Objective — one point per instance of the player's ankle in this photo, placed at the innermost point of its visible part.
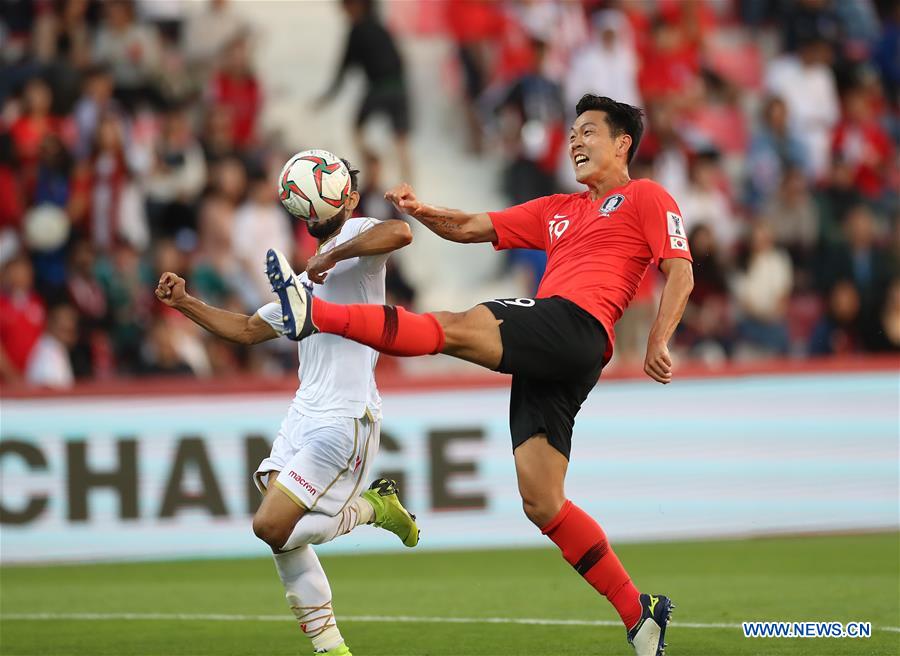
(366, 510)
(327, 640)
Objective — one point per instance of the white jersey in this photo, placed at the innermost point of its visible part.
(337, 375)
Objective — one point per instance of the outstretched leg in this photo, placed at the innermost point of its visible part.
(473, 335)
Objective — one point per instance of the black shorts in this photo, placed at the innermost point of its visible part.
(391, 102)
(555, 351)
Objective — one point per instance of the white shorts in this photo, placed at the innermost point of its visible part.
(323, 461)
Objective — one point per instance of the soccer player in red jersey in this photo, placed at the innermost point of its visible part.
(599, 244)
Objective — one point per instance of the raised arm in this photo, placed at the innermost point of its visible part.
(234, 327)
(453, 225)
(383, 237)
(349, 57)
(679, 283)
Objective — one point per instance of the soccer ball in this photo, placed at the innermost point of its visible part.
(314, 184)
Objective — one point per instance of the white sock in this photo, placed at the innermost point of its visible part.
(316, 528)
(309, 596)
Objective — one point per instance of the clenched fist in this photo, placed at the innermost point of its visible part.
(318, 266)
(170, 289)
(402, 196)
(658, 362)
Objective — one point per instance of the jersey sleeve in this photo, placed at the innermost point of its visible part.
(521, 226)
(663, 225)
(271, 314)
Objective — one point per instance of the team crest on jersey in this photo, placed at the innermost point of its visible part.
(611, 204)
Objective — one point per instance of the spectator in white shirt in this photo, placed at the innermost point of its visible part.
(607, 65)
(806, 83)
(260, 223)
(208, 32)
(705, 203)
(130, 49)
(762, 292)
(49, 363)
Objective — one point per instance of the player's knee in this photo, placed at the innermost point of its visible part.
(270, 531)
(540, 509)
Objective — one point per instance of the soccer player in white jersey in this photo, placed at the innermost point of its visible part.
(327, 442)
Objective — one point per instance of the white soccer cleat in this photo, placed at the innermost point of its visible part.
(295, 298)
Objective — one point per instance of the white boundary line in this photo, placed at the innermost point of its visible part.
(411, 619)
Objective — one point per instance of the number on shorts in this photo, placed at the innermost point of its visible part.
(521, 302)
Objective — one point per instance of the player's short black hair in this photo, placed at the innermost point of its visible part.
(354, 175)
(620, 117)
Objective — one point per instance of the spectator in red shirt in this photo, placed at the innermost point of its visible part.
(473, 24)
(236, 89)
(669, 64)
(11, 202)
(860, 141)
(28, 131)
(104, 200)
(22, 316)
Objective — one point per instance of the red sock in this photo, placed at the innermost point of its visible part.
(584, 546)
(385, 328)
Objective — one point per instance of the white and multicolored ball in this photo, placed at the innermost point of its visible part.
(314, 184)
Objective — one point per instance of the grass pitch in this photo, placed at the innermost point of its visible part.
(236, 607)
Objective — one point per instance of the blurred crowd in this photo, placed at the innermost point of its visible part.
(131, 144)
(774, 124)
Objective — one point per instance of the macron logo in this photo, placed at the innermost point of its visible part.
(306, 484)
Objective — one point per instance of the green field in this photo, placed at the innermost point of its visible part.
(840, 578)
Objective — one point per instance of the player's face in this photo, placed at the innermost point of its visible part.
(322, 229)
(593, 150)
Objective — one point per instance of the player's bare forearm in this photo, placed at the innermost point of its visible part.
(452, 225)
(679, 283)
(229, 325)
(232, 326)
(458, 226)
(383, 237)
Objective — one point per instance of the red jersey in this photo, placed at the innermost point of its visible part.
(869, 150)
(242, 96)
(597, 251)
(21, 324)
